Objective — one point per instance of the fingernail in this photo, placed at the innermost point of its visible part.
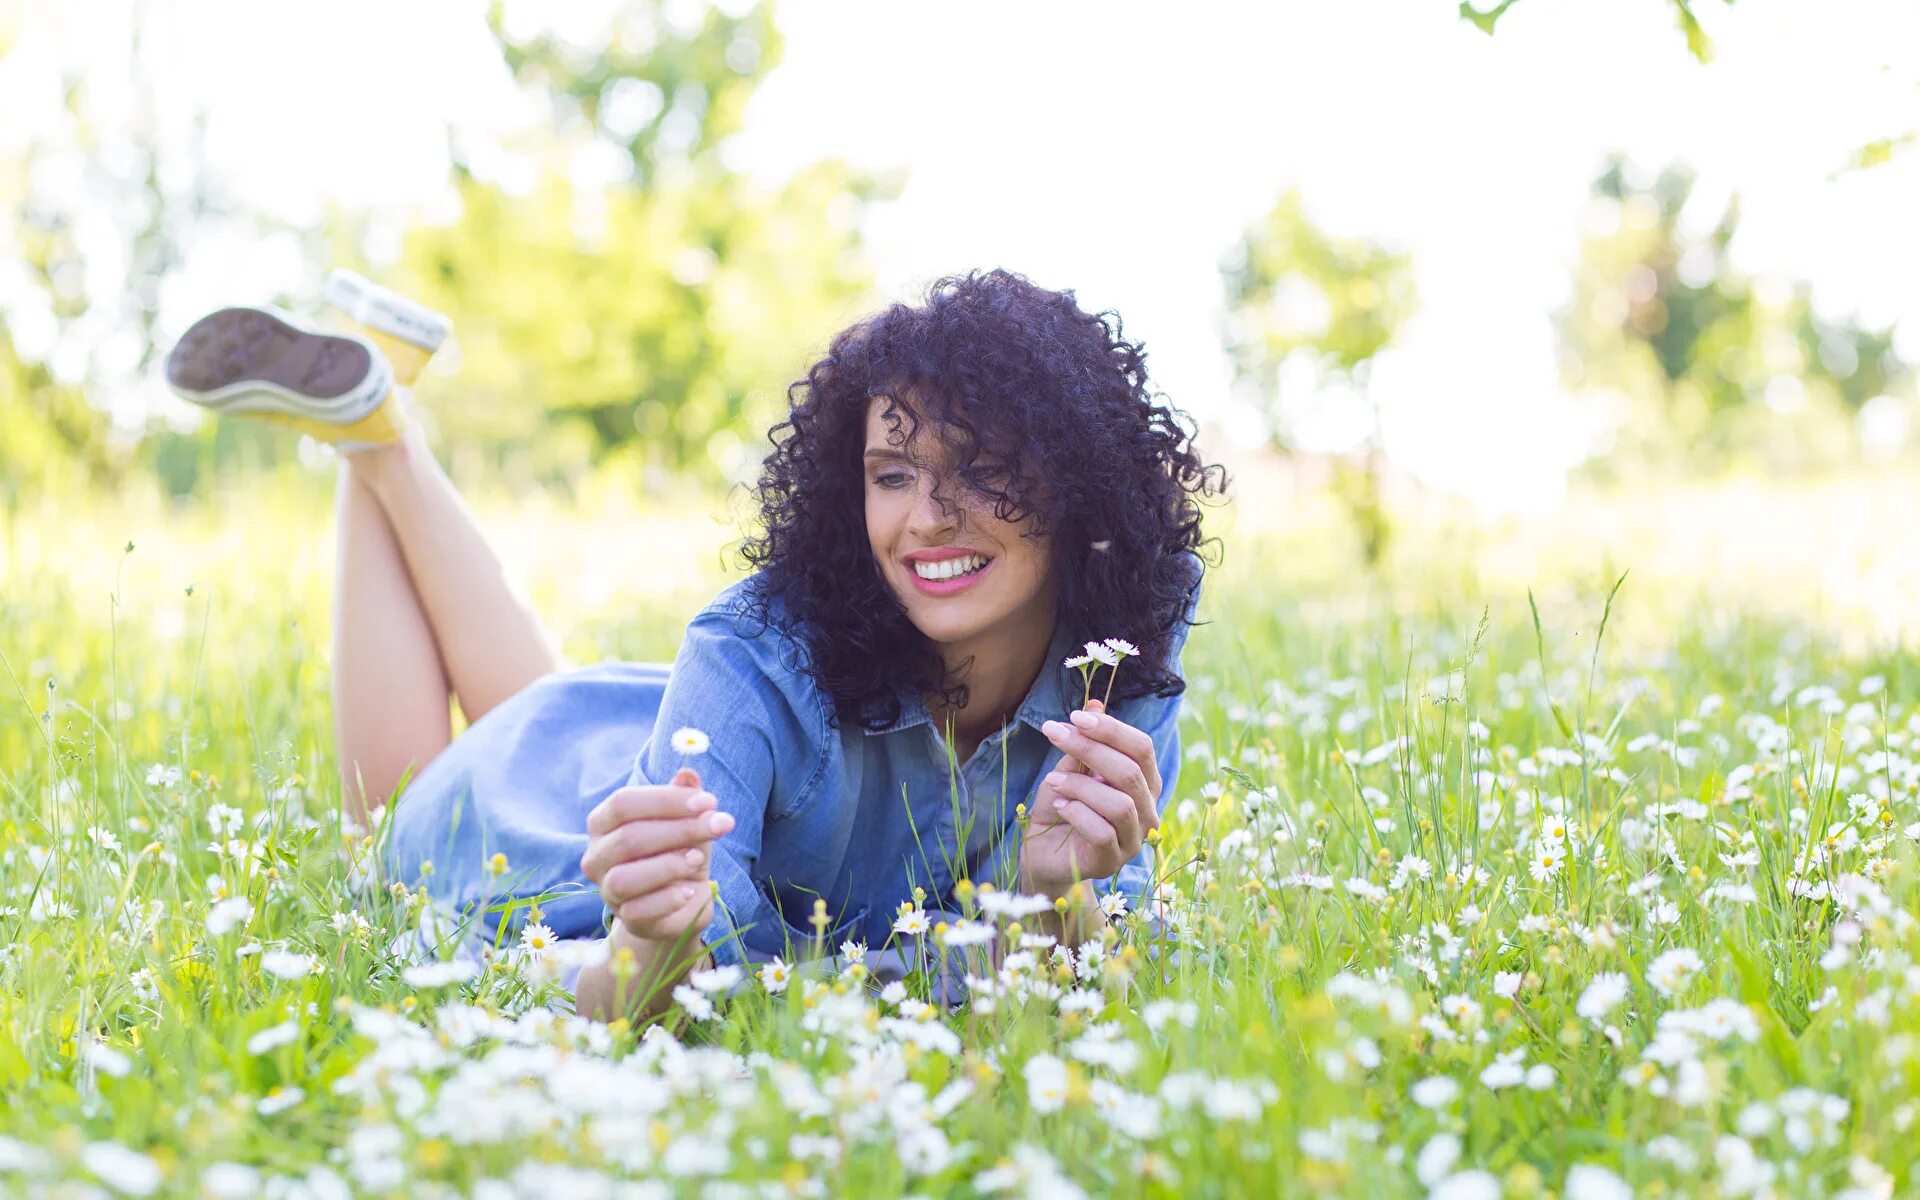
(1083, 718)
(700, 802)
(686, 891)
(695, 857)
(1054, 729)
(719, 822)
(1056, 777)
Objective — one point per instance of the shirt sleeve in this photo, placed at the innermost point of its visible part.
(1159, 718)
(767, 735)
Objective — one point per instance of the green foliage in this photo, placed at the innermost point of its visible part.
(643, 300)
(1293, 288)
(660, 315)
(53, 439)
(1354, 914)
(1710, 364)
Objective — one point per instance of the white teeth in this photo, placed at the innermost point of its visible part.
(947, 568)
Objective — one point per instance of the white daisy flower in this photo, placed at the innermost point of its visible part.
(426, 976)
(913, 922)
(226, 915)
(285, 964)
(537, 939)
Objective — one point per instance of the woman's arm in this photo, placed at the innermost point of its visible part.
(765, 735)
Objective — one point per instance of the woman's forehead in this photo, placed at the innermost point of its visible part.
(901, 420)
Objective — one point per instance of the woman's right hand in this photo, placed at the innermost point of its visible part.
(649, 850)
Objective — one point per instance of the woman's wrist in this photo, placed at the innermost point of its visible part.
(1076, 916)
(637, 980)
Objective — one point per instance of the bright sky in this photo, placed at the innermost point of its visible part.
(1117, 148)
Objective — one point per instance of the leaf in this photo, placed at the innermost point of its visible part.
(1484, 19)
(1698, 44)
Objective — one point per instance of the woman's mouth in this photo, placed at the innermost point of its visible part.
(945, 576)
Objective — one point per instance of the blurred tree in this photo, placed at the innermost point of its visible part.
(1705, 364)
(102, 202)
(648, 296)
(1296, 292)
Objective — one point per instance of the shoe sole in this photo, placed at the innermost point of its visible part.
(263, 360)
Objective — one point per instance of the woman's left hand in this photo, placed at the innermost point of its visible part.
(1096, 807)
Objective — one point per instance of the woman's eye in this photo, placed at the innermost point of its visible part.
(891, 479)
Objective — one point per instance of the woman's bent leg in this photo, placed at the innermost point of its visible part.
(389, 689)
(491, 642)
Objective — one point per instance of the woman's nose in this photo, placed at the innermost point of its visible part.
(934, 509)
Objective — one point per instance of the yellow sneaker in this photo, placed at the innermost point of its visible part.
(406, 331)
(336, 387)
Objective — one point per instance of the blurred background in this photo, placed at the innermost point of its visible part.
(1404, 261)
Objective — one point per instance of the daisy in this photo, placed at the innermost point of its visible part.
(537, 939)
(124, 1170)
(285, 1033)
(775, 976)
(280, 1099)
(1046, 1083)
(688, 740)
(696, 1005)
(1122, 647)
(1602, 995)
(1435, 1091)
(439, 974)
(285, 964)
(1671, 971)
(226, 915)
(912, 922)
(1103, 653)
(719, 979)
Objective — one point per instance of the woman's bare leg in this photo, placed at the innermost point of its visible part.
(491, 642)
(389, 688)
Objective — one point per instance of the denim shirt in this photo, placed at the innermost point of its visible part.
(857, 817)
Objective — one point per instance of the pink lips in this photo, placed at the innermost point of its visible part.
(944, 587)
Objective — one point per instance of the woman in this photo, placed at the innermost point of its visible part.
(962, 495)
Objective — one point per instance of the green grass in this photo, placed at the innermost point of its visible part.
(1339, 729)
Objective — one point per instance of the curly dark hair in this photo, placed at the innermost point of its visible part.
(1026, 387)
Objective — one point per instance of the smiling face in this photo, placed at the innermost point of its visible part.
(963, 574)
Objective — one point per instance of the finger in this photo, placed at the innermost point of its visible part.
(1145, 759)
(646, 803)
(692, 915)
(639, 876)
(1096, 831)
(1108, 762)
(1101, 726)
(1116, 807)
(655, 907)
(639, 839)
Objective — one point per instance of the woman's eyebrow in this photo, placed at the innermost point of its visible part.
(888, 453)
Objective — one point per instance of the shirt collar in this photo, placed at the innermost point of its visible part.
(1046, 699)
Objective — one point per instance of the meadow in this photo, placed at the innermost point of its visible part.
(1567, 856)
